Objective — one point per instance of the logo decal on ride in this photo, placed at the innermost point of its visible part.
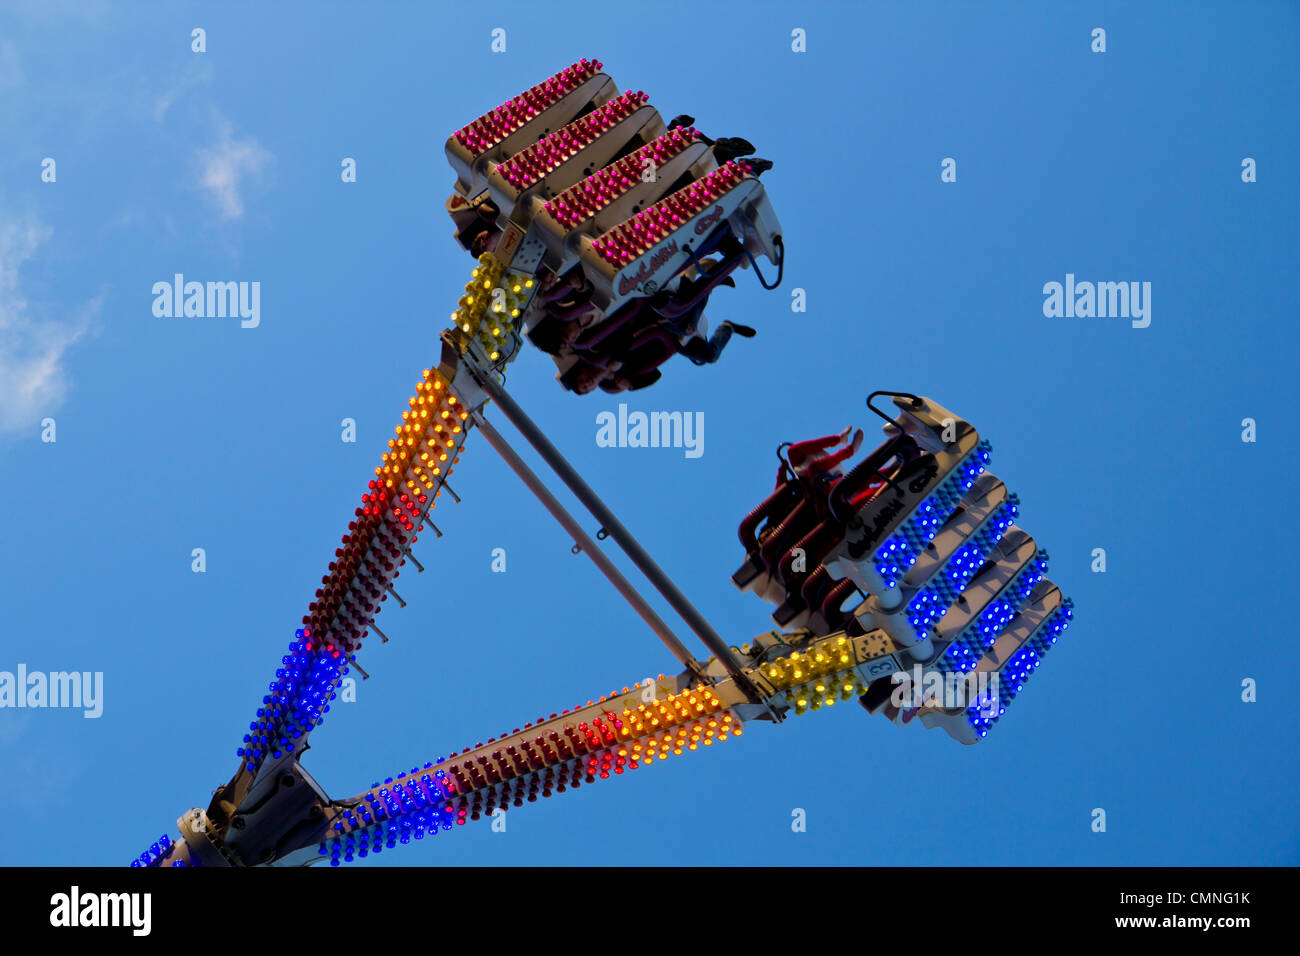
(708, 221)
(649, 267)
(923, 474)
(928, 470)
(508, 243)
(871, 534)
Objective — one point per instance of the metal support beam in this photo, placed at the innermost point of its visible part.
(584, 542)
(622, 537)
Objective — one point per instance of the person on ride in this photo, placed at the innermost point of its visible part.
(817, 464)
(686, 334)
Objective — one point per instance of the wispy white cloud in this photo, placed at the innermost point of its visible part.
(163, 102)
(195, 76)
(226, 167)
(33, 379)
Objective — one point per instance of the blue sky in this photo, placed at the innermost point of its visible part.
(174, 434)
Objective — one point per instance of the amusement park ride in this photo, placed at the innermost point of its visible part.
(899, 579)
